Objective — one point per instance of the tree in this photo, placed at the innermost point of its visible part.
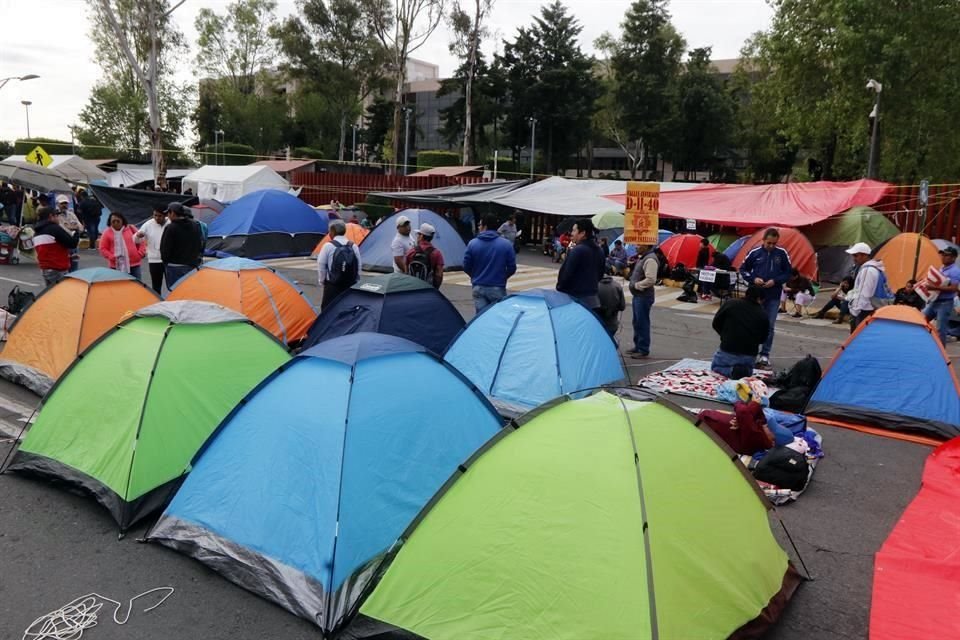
(645, 63)
(332, 48)
(377, 132)
(468, 30)
(549, 78)
(402, 27)
(487, 97)
(236, 46)
(704, 115)
(132, 37)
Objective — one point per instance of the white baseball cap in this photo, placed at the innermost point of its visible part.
(63, 198)
(860, 247)
(402, 220)
(427, 230)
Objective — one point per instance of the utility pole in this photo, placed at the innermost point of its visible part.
(924, 198)
(533, 142)
(26, 107)
(406, 140)
(354, 127)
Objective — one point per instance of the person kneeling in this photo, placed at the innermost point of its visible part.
(743, 326)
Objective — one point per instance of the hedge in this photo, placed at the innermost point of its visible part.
(230, 153)
(438, 158)
(308, 152)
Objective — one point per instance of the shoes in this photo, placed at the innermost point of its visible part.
(637, 355)
(763, 362)
(795, 315)
(819, 317)
(837, 321)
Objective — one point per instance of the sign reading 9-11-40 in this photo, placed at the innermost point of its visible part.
(642, 213)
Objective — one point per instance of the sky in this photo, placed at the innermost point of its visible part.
(64, 57)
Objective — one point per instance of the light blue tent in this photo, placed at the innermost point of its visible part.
(534, 346)
(662, 234)
(375, 250)
(307, 484)
(735, 246)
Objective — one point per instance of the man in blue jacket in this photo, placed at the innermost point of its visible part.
(583, 267)
(768, 267)
(489, 261)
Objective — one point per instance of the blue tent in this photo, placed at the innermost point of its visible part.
(662, 234)
(266, 224)
(891, 373)
(304, 488)
(394, 304)
(735, 246)
(375, 248)
(534, 346)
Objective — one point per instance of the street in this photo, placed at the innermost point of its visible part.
(55, 546)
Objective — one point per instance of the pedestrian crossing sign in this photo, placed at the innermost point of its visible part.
(39, 156)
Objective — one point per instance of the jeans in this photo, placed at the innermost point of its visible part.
(175, 272)
(156, 276)
(484, 296)
(52, 276)
(642, 304)
(724, 363)
(771, 307)
(833, 303)
(859, 318)
(940, 309)
(93, 231)
(136, 272)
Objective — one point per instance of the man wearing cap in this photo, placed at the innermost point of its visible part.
(53, 244)
(181, 245)
(425, 261)
(70, 224)
(336, 280)
(863, 303)
(152, 232)
(401, 245)
(941, 306)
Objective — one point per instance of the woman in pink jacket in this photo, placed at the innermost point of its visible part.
(120, 247)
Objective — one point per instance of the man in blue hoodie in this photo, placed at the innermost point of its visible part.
(489, 261)
(768, 267)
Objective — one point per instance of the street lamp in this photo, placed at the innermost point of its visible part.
(26, 107)
(216, 145)
(872, 168)
(354, 127)
(406, 140)
(29, 76)
(533, 142)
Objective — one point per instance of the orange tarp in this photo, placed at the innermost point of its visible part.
(898, 255)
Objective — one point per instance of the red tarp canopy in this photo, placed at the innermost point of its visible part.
(794, 204)
(916, 577)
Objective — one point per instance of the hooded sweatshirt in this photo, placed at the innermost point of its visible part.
(489, 260)
(865, 286)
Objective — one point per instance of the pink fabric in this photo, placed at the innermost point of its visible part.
(794, 204)
(105, 246)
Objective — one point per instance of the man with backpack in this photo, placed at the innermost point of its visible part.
(642, 282)
(338, 263)
(425, 261)
(870, 286)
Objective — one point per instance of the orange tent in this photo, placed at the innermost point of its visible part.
(801, 252)
(256, 291)
(355, 234)
(66, 319)
(899, 253)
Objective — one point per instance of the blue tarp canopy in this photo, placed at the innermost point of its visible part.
(375, 248)
(534, 346)
(299, 500)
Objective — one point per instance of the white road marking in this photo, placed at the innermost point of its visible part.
(23, 282)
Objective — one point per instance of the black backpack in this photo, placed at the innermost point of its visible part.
(679, 273)
(420, 266)
(796, 385)
(344, 268)
(18, 300)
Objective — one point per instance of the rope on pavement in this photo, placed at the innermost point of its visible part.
(71, 620)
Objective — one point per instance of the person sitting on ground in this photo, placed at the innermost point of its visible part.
(798, 290)
(838, 301)
(424, 261)
(121, 245)
(617, 260)
(743, 326)
(53, 244)
(907, 295)
(612, 303)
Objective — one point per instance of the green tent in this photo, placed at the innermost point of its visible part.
(608, 220)
(859, 224)
(722, 240)
(125, 420)
(603, 517)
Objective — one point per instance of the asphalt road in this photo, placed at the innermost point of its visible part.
(55, 546)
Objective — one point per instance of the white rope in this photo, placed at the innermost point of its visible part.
(71, 620)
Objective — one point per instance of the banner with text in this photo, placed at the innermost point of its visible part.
(642, 213)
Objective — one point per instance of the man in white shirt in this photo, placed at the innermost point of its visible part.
(402, 244)
(865, 285)
(336, 271)
(152, 232)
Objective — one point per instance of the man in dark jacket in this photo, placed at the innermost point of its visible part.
(53, 244)
(181, 246)
(743, 326)
(768, 267)
(583, 268)
(89, 213)
(489, 261)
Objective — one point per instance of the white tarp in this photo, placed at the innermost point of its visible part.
(73, 168)
(128, 175)
(227, 183)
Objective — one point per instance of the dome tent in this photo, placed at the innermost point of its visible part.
(394, 304)
(343, 482)
(511, 351)
(900, 252)
(835, 235)
(662, 235)
(570, 555)
(802, 256)
(66, 319)
(355, 234)
(375, 250)
(683, 249)
(266, 224)
(185, 365)
(253, 289)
